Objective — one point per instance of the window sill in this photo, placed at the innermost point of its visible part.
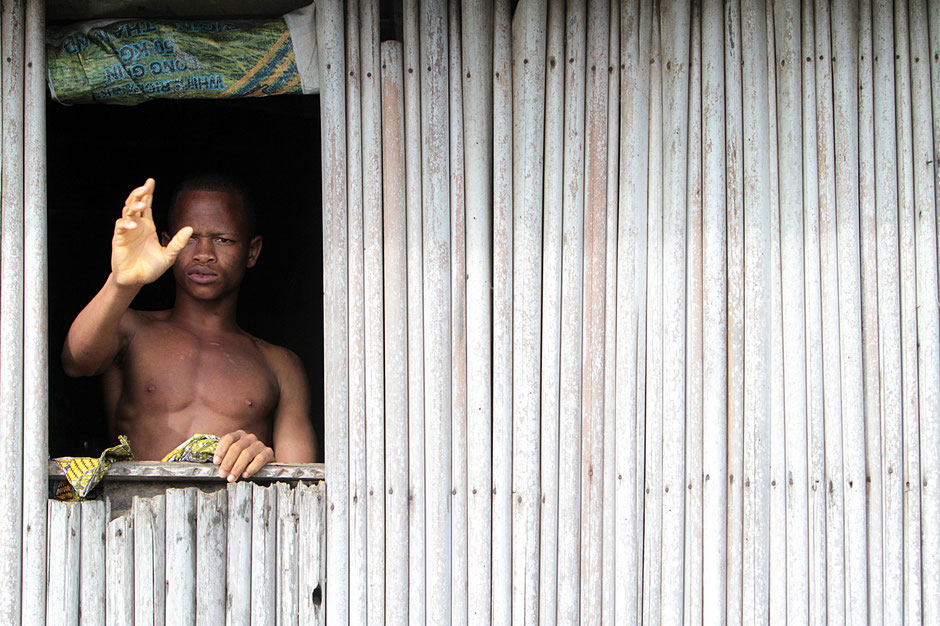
(158, 471)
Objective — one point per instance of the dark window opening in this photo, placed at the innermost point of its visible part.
(98, 153)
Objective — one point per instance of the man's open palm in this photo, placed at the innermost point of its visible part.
(137, 258)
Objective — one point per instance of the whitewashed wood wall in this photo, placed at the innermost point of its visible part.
(631, 312)
(248, 554)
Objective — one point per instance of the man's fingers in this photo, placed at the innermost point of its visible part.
(179, 241)
(221, 449)
(123, 225)
(263, 458)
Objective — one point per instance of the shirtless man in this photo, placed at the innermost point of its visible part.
(191, 369)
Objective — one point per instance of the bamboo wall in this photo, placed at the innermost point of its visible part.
(631, 312)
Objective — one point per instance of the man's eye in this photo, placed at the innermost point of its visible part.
(223, 240)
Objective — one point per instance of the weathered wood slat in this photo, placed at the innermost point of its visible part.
(149, 559)
(151, 470)
(12, 277)
(35, 315)
(675, 115)
(790, 193)
(528, 87)
(871, 386)
(913, 575)
(502, 312)
(311, 552)
(120, 571)
(180, 556)
(458, 343)
(211, 557)
(64, 561)
(332, 71)
(693, 582)
(734, 203)
(263, 555)
(550, 366)
(631, 295)
(373, 288)
(415, 239)
(358, 477)
(92, 568)
(652, 337)
(889, 310)
(569, 403)
(239, 552)
(396, 334)
(928, 322)
(437, 307)
(477, 103)
(715, 321)
(288, 552)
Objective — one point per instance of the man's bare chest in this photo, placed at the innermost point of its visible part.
(226, 373)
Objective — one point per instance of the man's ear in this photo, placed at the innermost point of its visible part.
(254, 249)
(164, 238)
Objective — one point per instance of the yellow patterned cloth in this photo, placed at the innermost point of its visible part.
(196, 449)
(83, 473)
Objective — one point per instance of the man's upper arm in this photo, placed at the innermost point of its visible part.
(294, 438)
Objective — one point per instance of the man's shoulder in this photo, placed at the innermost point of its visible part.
(278, 356)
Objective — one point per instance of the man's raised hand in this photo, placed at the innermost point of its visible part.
(137, 258)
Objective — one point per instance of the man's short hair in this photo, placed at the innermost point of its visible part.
(223, 183)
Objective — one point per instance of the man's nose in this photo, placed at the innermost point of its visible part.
(204, 250)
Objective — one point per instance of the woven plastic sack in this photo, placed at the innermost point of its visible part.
(132, 61)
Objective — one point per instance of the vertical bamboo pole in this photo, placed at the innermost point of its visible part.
(396, 333)
(374, 494)
(790, 193)
(286, 572)
(777, 475)
(829, 283)
(889, 309)
(311, 553)
(928, 323)
(653, 414)
(120, 572)
(35, 314)
(694, 348)
(634, 117)
(502, 312)
(145, 575)
(757, 315)
(845, 118)
(569, 428)
(92, 589)
(181, 557)
(715, 321)
(238, 558)
(608, 544)
(335, 348)
(913, 597)
(458, 297)
(416, 492)
(358, 477)
(675, 99)
(11, 311)
(871, 387)
(263, 555)
(550, 372)
(734, 167)
(477, 53)
(211, 515)
(373, 289)
(437, 308)
(528, 89)
(813, 306)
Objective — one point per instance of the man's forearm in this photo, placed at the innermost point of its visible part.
(94, 337)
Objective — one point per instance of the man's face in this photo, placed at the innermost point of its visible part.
(213, 263)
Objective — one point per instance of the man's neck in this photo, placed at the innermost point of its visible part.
(210, 315)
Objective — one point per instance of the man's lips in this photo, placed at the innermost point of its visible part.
(201, 275)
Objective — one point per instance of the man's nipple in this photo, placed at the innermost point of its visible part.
(151, 388)
(250, 402)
